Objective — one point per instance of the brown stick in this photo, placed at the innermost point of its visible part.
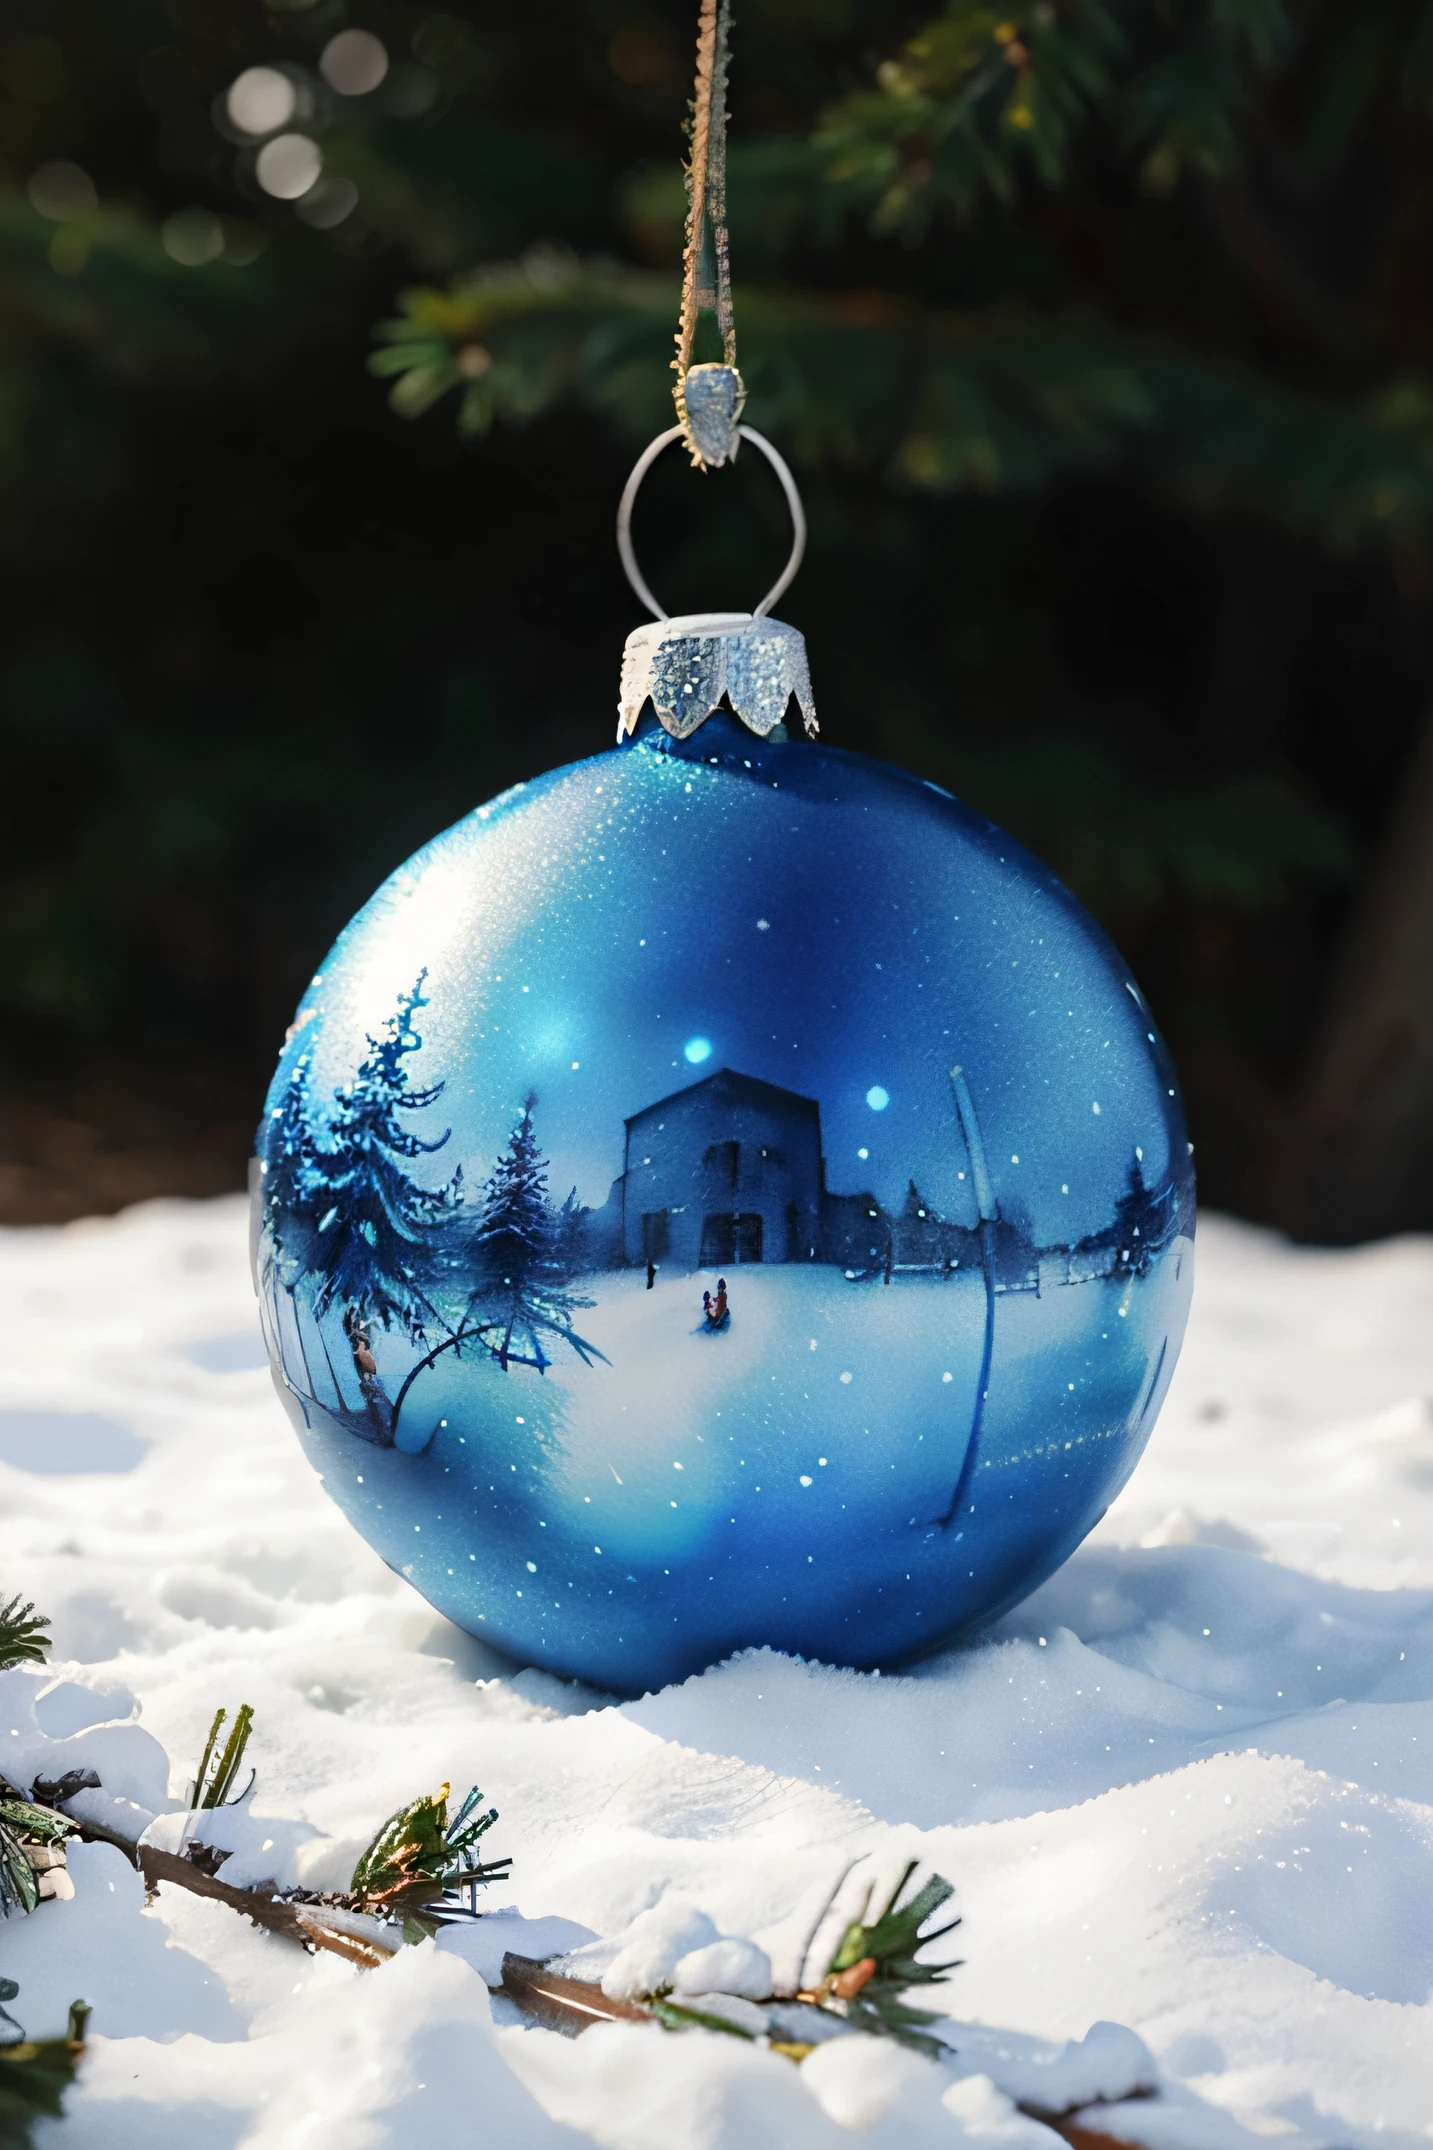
(569, 2005)
(1077, 2135)
(573, 2005)
(270, 1912)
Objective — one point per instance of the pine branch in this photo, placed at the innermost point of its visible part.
(975, 96)
(32, 1852)
(1000, 401)
(24, 1636)
(970, 98)
(404, 1886)
(35, 2073)
(420, 1856)
(871, 1968)
(122, 293)
(875, 1964)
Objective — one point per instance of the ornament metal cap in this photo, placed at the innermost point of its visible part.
(685, 665)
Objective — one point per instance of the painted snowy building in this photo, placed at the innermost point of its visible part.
(729, 1170)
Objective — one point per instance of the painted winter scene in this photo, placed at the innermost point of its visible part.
(727, 1346)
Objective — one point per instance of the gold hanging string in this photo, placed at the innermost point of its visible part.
(709, 398)
(708, 248)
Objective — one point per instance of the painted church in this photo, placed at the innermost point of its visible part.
(730, 1170)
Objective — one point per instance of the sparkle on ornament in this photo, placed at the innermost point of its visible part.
(697, 1050)
(877, 1098)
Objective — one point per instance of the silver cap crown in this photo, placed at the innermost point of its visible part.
(685, 665)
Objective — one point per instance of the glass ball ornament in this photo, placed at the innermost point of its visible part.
(722, 1193)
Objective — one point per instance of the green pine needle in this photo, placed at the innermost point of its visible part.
(892, 1941)
(411, 1842)
(212, 1790)
(37, 1825)
(35, 2073)
(19, 1887)
(22, 1823)
(24, 1637)
(420, 1854)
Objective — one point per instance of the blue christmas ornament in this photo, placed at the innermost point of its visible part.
(722, 1193)
(725, 1192)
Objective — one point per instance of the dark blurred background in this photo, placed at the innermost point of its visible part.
(1102, 341)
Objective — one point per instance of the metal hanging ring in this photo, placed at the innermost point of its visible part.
(644, 463)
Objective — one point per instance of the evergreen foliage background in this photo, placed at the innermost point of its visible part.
(1099, 335)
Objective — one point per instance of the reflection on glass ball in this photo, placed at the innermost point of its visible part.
(720, 1194)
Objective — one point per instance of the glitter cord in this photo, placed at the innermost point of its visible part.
(706, 259)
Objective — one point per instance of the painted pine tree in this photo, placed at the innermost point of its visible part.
(292, 1188)
(570, 1236)
(379, 1236)
(1146, 1220)
(518, 1293)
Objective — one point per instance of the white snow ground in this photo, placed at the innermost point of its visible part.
(1187, 1788)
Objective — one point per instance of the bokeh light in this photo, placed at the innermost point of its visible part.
(327, 204)
(288, 166)
(697, 1050)
(261, 100)
(191, 237)
(60, 190)
(354, 62)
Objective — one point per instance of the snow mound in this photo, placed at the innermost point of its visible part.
(1187, 1788)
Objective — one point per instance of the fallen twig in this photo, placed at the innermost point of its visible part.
(574, 2005)
(307, 1924)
